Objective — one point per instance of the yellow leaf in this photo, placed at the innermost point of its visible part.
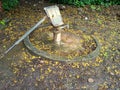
(78, 76)
(49, 70)
(33, 69)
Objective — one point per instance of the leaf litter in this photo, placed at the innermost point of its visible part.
(35, 72)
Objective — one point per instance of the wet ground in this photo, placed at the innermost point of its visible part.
(22, 70)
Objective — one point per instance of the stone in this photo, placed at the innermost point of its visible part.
(35, 5)
(86, 18)
(90, 80)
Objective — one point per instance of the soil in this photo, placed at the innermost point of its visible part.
(22, 70)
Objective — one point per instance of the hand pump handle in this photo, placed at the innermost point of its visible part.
(26, 34)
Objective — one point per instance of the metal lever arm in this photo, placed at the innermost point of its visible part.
(26, 34)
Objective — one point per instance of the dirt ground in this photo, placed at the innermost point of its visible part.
(22, 70)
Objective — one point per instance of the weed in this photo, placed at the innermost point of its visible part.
(9, 4)
(79, 3)
(2, 22)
